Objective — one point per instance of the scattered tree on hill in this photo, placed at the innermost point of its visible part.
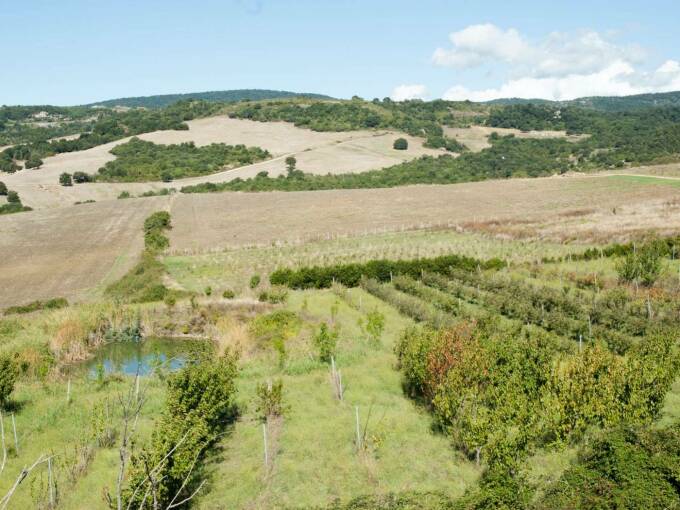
(65, 179)
(3, 188)
(290, 164)
(81, 177)
(400, 144)
(33, 162)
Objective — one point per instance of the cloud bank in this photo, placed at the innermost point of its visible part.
(406, 92)
(561, 66)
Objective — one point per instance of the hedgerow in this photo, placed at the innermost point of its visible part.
(349, 275)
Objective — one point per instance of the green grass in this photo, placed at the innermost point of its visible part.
(645, 179)
(316, 460)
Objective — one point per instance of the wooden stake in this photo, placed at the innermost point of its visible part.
(266, 450)
(68, 395)
(16, 440)
(356, 411)
(50, 481)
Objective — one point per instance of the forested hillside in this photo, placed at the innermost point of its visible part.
(217, 96)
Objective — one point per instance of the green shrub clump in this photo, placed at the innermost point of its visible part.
(400, 144)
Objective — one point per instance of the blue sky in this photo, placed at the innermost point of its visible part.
(77, 51)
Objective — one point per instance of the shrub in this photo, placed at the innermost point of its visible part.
(228, 294)
(274, 295)
(124, 195)
(375, 325)
(50, 304)
(325, 342)
(13, 197)
(254, 281)
(33, 162)
(199, 404)
(81, 177)
(400, 144)
(65, 179)
(641, 266)
(269, 400)
(3, 189)
(208, 291)
(8, 376)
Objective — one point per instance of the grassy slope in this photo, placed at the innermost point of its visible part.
(315, 460)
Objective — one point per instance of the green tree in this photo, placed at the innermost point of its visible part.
(642, 266)
(375, 325)
(290, 164)
(13, 197)
(81, 177)
(65, 179)
(8, 376)
(33, 162)
(325, 342)
(400, 144)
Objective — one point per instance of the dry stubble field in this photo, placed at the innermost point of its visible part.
(69, 251)
(351, 151)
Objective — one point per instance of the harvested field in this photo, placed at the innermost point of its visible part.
(518, 207)
(66, 251)
(476, 138)
(352, 151)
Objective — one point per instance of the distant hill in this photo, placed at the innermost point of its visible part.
(606, 103)
(160, 101)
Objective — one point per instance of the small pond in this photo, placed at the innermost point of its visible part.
(128, 357)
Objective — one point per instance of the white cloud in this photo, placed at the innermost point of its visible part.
(560, 66)
(406, 92)
(477, 44)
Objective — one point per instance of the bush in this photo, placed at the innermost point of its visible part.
(123, 195)
(13, 197)
(400, 144)
(254, 281)
(33, 162)
(269, 400)
(8, 376)
(3, 189)
(81, 177)
(65, 179)
(274, 295)
(325, 342)
(208, 291)
(228, 294)
(50, 304)
(641, 266)
(199, 404)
